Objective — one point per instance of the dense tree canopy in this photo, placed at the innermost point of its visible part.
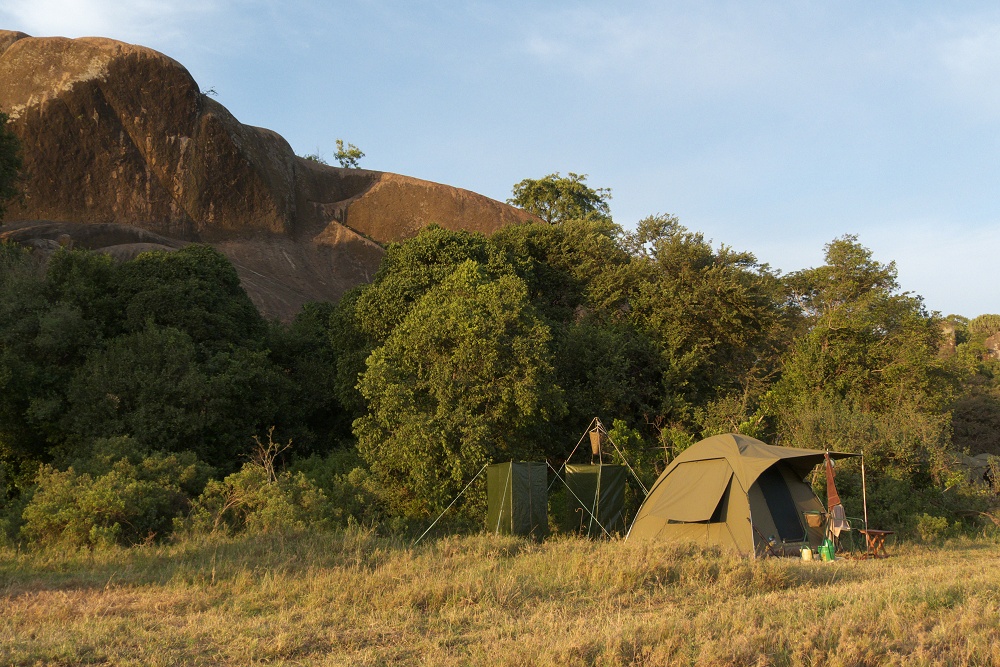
(166, 349)
(717, 317)
(465, 379)
(556, 198)
(134, 394)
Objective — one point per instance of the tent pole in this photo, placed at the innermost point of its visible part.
(752, 529)
(503, 499)
(622, 454)
(578, 442)
(582, 505)
(864, 488)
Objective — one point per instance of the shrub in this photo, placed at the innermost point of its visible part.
(932, 528)
(355, 496)
(252, 501)
(129, 504)
(259, 499)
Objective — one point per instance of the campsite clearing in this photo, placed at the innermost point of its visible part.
(354, 598)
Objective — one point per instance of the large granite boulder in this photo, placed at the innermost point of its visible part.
(121, 135)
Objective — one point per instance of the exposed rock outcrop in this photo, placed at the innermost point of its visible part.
(120, 134)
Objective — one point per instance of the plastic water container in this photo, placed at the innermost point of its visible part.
(807, 553)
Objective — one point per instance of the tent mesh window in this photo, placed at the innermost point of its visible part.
(779, 502)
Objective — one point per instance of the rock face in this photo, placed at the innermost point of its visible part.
(121, 135)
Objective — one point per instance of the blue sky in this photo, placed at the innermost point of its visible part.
(770, 127)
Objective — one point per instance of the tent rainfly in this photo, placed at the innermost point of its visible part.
(734, 491)
(517, 498)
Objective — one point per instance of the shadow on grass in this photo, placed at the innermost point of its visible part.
(198, 561)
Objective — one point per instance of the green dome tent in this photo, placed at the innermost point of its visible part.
(734, 491)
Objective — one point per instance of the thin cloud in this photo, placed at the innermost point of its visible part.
(697, 51)
(971, 61)
(141, 21)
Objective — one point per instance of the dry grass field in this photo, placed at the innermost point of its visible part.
(357, 599)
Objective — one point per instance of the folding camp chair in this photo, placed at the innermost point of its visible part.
(842, 528)
(837, 526)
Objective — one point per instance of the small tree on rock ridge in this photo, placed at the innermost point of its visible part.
(349, 157)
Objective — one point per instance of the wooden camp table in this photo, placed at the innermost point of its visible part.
(876, 542)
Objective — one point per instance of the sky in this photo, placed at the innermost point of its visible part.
(771, 127)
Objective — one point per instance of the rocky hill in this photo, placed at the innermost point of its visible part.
(120, 136)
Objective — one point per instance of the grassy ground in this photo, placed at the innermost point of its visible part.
(355, 599)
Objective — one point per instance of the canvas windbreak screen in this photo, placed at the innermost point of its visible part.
(692, 491)
(517, 497)
(596, 498)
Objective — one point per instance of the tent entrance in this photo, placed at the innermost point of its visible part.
(784, 511)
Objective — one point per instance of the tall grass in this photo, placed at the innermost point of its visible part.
(353, 598)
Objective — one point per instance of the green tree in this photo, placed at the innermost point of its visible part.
(11, 163)
(985, 325)
(50, 320)
(465, 379)
(556, 199)
(867, 373)
(303, 353)
(608, 369)
(196, 290)
(348, 156)
(408, 271)
(976, 411)
(577, 265)
(365, 317)
(146, 385)
(151, 387)
(718, 318)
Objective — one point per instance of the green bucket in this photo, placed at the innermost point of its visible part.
(826, 553)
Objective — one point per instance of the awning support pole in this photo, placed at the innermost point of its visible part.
(864, 488)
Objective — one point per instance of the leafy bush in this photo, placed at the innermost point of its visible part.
(259, 499)
(355, 496)
(932, 528)
(252, 501)
(129, 504)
